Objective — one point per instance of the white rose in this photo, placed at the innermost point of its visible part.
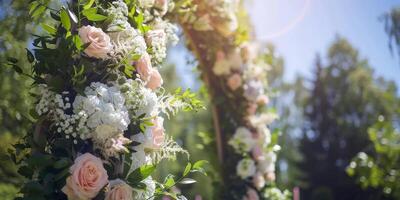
(268, 163)
(246, 168)
(242, 140)
(262, 119)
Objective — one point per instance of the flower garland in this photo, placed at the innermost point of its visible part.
(236, 75)
(100, 105)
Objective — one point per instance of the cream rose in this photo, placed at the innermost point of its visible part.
(234, 81)
(100, 43)
(119, 191)
(258, 180)
(88, 177)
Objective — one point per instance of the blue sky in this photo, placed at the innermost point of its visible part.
(301, 28)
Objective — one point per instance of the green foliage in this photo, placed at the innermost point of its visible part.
(344, 101)
(392, 28)
(166, 189)
(381, 168)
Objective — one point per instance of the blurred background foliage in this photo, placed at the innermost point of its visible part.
(15, 100)
(339, 126)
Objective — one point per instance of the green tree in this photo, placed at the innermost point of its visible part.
(382, 168)
(345, 99)
(15, 100)
(392, 28)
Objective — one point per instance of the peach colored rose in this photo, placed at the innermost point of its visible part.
(251, 195)
(270, 176)
(263, 100)
(257, 153)
(220, 55)
(251, 110)
(158, 132)
(100, 43)
(119, 191)
(143, 66)
(258, 180)
(162, 5)
(155, 81)
(88, 177)
(234, 81)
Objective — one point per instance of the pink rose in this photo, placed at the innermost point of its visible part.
(251, 195)
(155, 81)
(119, 191)
(162, 5)
(234, 81)
(263, 100)
(143, 66)
(252, 109)
(258, 180)
(100, 43)
(88, 177)
(158, 133)
(257, 153)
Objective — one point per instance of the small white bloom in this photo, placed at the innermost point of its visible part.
(268, 164)
(242, 140)
(262, 119)
(246, 168)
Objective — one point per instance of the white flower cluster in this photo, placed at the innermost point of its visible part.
(243, 69)
(259, 161)
(121, 115)
(103, 105)
(275, 193)
(54, 106)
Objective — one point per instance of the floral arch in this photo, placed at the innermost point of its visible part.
(100, 105)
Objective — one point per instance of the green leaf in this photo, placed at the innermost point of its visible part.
(199, 164)
(38, 11)
(55, 16)
(34, 5)
(51, 30)
(17, 69)
(187, 169)
(89, 11)
(65, 21)
(12, 60)
(73, 16)
(78, 42)
(187, 181)
(29, 55)
(169, 181)
(62, 163)
(141, 173)
(96, 17)
(88, 4)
